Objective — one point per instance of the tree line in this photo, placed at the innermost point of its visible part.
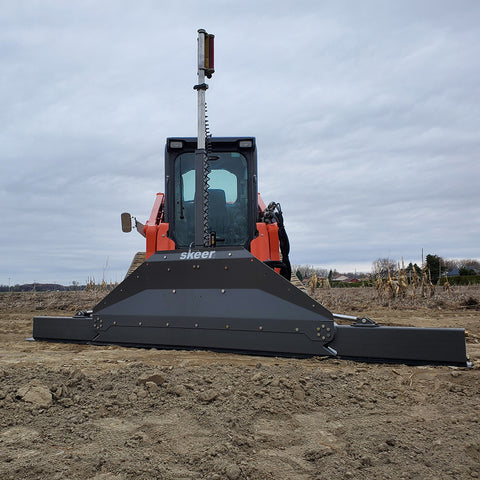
(435, 265)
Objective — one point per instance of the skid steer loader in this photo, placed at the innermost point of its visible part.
(216, 271)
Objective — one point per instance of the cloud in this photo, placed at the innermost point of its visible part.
(365, 117)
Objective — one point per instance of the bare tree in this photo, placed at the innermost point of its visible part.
(470, 263)
(307, 271)
(452, 263)
(384, 267)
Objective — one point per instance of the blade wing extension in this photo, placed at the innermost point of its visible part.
(401, 344)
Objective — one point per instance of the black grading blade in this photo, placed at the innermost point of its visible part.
(226, 299)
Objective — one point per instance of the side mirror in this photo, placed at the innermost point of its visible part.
(126, 222)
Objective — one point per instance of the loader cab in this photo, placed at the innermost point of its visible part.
(232, 192)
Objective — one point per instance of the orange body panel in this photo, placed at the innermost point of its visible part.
(163, 242)
(260, 246)
(151, 236)
(267, 245)
(156, 230)
(274, 242)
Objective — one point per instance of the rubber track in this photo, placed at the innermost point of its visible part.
(138, 259)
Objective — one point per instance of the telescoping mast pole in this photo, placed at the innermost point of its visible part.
(205, 69)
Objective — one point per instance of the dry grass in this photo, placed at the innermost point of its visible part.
(338, 300)
(364, 299)
(70, 302)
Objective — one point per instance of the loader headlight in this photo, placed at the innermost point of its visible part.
(176, 144)
(245, 144)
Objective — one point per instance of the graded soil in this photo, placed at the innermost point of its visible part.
(72, 411)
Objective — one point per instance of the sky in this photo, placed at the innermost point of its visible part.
(366, 116)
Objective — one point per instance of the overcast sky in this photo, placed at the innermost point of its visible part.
(366, 115)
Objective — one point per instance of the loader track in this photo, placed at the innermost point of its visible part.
(140, 257)
(297, 283)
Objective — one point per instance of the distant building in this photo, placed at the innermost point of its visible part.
(456, 271)
(453, 273)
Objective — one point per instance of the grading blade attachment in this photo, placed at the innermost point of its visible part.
(226, 299)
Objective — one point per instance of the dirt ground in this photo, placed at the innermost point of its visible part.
(87, 412)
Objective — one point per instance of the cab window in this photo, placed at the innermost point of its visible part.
(228, 198)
